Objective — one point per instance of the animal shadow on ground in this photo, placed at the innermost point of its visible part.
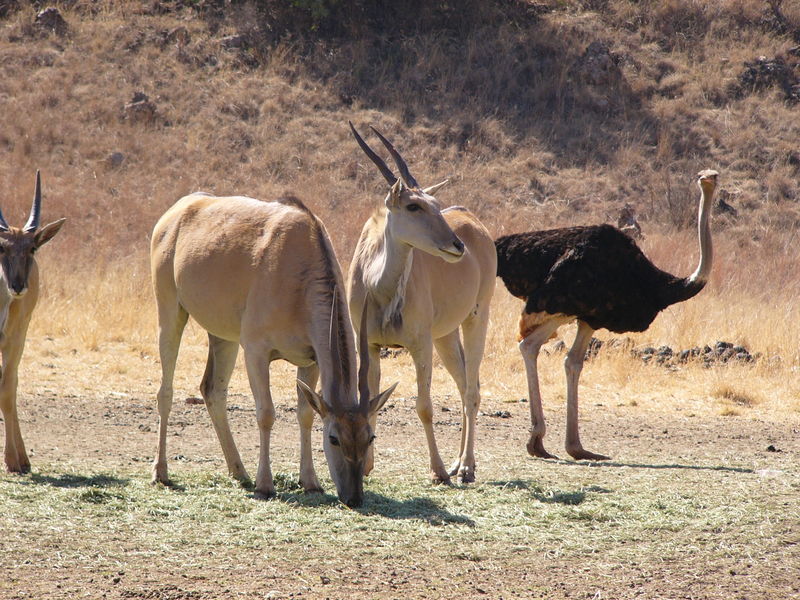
(420, 508)
(569, 498)
(72, 480)
(611, 464)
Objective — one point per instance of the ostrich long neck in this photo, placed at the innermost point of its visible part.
(388, 270)
(678, 290)
(700, 276)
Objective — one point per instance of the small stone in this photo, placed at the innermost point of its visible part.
(115, 159)
(772, 448)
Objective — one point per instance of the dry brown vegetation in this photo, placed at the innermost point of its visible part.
(542, 114)
(546, 113)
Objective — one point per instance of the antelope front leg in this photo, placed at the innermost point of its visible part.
(16, 457)
(257, 362)
(305, 418)
(451, 353)
(422, 361)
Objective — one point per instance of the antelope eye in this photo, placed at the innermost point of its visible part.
(372, 439)
(414, 207)
(334, 440)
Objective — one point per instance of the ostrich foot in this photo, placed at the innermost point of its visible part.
(536, 448)
(160, 475)
(578, 453)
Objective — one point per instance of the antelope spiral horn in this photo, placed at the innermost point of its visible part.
(385, 171)
(36, 209)
(408, 179)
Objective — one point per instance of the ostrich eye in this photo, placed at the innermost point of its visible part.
(334, 440)
(413, 207)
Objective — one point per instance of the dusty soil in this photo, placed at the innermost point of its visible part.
(93, 412)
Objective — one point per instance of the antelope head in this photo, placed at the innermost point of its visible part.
(346, 431)
(414, 215)
(17, 246)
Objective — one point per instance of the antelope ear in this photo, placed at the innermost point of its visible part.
(312, 397)
(393, 199)
(378, 401)
(431, 191)
(48, 232)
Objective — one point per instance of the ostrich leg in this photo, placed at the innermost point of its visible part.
(529, 347)
(573, 365)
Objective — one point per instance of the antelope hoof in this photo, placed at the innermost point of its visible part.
(264, 495)
(443, 479)
(312, 487)
(19, 468)
(240, 474)
(466, 474)
(581, 454)
(536, 448)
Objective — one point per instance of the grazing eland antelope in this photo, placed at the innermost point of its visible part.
(427, 272)
(19, 291)
(262, 275)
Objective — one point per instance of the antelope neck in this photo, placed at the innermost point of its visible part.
(388, 273)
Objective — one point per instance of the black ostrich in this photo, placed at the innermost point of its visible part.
(598, 276)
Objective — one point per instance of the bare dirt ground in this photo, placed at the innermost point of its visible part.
(693, 505)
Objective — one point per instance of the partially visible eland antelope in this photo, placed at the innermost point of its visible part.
(262, 275)
(19, 291)
(427, 272)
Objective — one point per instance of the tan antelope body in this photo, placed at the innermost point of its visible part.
(19, 292)
(262, 275)
(427, 272)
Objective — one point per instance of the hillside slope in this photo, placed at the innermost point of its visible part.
(542, 113)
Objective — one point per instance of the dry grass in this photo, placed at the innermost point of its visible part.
(528, 142)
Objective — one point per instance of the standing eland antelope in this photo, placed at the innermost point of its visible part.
(19, 292)
(427, 272)
(262, 275)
